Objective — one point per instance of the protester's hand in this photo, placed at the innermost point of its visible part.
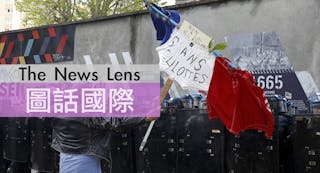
(149, 119)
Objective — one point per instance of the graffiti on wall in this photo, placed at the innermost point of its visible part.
(44, 45)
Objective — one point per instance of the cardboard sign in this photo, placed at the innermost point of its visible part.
(194, 34)
(186, 61)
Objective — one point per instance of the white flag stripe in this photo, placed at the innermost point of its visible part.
(113, 58)
(127, 58)
(87, 59)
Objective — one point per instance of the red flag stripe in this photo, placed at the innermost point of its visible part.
(9, 49)
(62, 43)
(237, 101)
(48, 58)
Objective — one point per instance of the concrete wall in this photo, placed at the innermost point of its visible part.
(296, 22)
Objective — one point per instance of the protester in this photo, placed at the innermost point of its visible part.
(83, 142)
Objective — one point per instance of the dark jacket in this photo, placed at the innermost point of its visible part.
(90, 136)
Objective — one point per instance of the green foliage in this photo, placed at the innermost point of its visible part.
(44, 12)
(219, 46)
(210, 46)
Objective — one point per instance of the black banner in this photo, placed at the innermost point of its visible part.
(282, 82)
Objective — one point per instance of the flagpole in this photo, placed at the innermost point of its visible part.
(169, 81)
(163, 94)
(166, 87)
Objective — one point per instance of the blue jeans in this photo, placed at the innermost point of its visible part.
(77, 163)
